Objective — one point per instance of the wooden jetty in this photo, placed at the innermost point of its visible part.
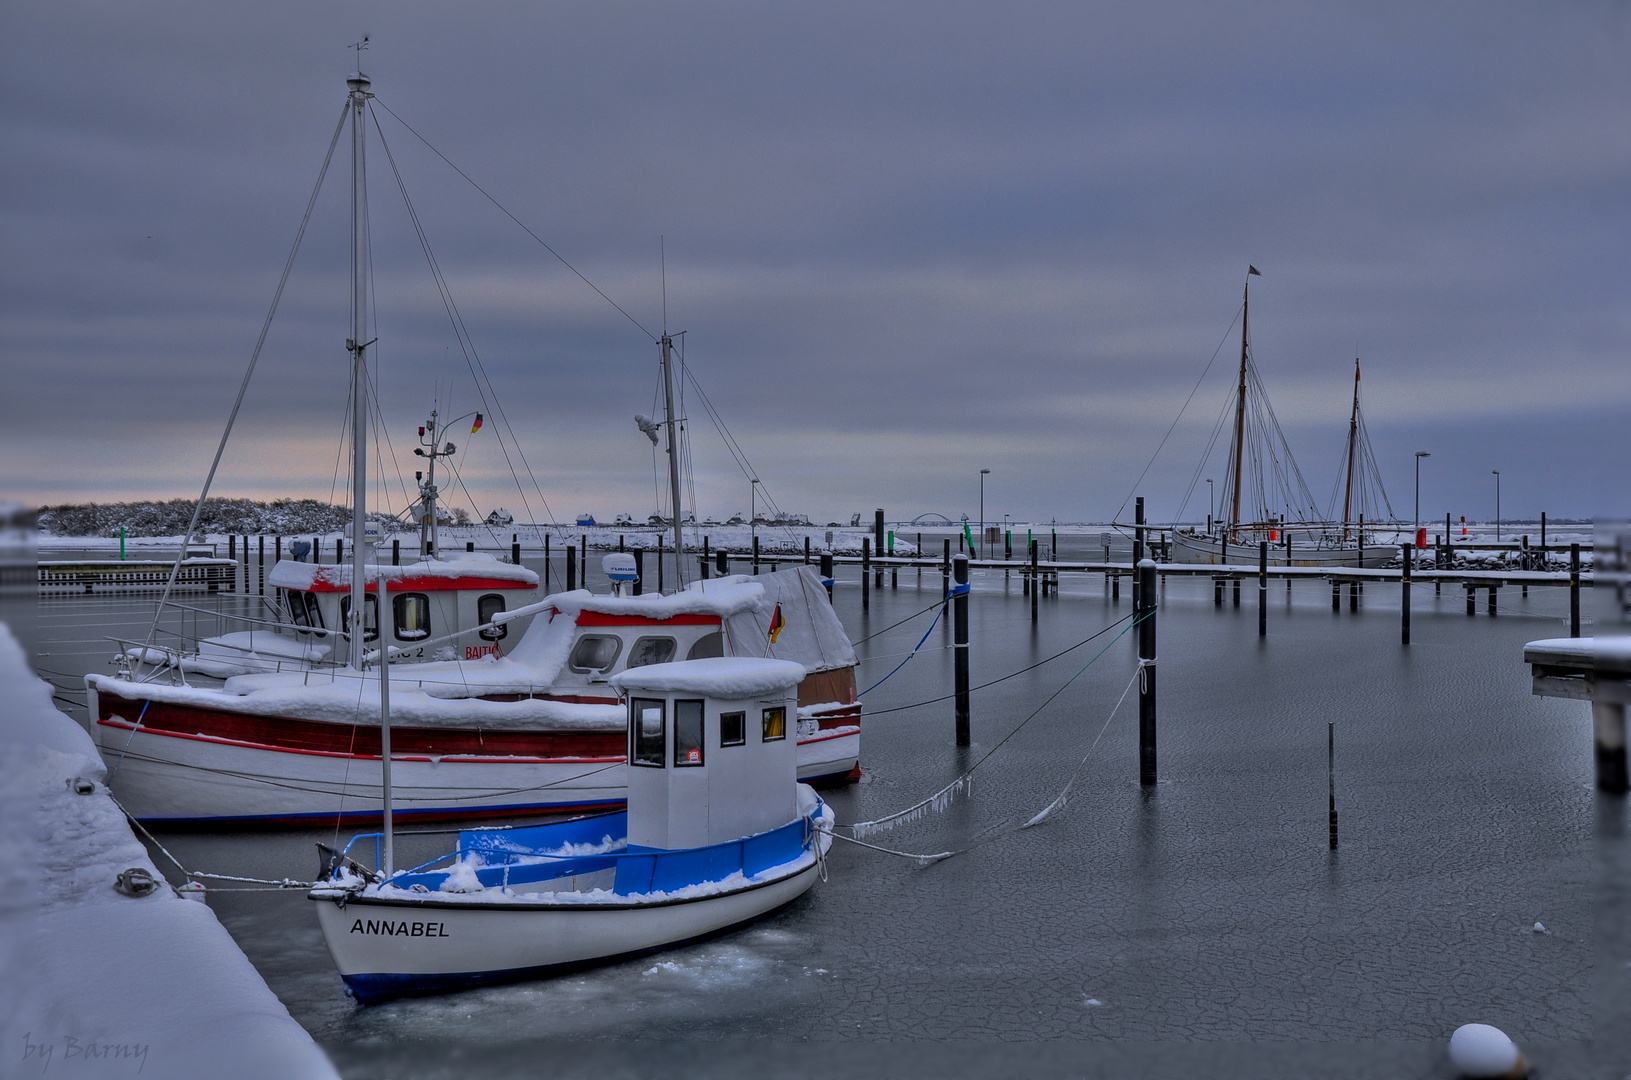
(86, 575)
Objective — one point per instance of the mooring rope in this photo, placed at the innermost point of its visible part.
(963, 784)
(915, 648)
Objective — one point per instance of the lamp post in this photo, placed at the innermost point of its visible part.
(1419, 455)
(1497, 473)
(983, 473)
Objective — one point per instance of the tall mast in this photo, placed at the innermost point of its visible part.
(672, 423)
(1240, 410)
(1353, 444)
(358, 345)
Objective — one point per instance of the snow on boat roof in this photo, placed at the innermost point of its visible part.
(724, 598)
(470, 570)
(727, 677)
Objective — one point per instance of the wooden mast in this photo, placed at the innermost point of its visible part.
(1240, 408)
(1353, 442)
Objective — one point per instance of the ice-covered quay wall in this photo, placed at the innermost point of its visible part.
(94, 982)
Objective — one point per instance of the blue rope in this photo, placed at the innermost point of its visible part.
(909, 655)
(128, 741)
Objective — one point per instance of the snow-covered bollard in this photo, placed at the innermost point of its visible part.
(1479, 1050)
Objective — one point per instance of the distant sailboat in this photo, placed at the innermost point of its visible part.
(1267, 499)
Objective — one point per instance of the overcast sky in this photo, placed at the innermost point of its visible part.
(906, 241)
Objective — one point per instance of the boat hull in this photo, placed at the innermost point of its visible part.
(1200, 550)
(453, 945)
(178, 765)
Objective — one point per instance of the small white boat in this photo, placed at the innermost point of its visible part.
(718, 833)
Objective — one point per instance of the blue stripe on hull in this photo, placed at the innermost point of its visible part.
(373, 988)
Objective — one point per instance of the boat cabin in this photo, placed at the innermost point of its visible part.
(712, 750)
(429, 600)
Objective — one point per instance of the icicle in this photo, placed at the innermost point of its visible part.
(934, 804)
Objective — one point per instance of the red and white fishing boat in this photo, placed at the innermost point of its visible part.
(535, 730)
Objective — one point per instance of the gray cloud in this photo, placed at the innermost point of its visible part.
(906, 242)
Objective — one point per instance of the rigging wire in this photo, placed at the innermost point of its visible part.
(478, 370)
(249, 371)
(513, 218)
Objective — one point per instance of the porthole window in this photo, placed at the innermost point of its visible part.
(773, 724)
(646, 731)
(708, 645)
(595, 653)
(651, 650)
(412, 611)
(486, 607)
(733, 729)
(370, 616)
(687, 733)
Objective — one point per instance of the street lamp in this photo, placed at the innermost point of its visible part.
(1497, 473)
(753, 515)
(983, 473)
(1419, 455)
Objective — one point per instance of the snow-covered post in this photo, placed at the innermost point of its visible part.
(571, 567)
(639, 569)
(1146, 672)
(722, 562)
(826, 571)
(515, 548)
(877, 542)
(755, 554)
(959, 607)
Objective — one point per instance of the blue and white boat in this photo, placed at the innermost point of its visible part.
(718, 833)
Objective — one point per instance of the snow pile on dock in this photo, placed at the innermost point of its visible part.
(97, 983)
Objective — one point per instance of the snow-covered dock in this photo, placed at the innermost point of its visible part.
(97, 982)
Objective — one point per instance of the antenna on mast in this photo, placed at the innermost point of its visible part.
(358, 47)
(662, 262)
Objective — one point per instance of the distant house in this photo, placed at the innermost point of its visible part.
(587, 521)
(501, 516)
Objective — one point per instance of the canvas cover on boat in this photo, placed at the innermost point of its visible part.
(810, 633)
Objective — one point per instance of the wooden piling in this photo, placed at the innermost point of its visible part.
(546, 563)
(894, 571)
(1217, 592)
(722, 562)
(1262, 588)
(1331, 776)
(639, 570)
(826, 571)
(396, 552)
(1574, 590)
(583, 560)
(878, 544)
(1472, 598)
(660, 582)
(1409, 553)
(806, 551)
(755, 554)
(1336, 595)
(1492, 591)
(571, 567)
(866, 573)
(1236, 582)
(959, 607)
(704, 560)
(515, 548)
(945, 569)
(1608, 733)
(1353, 596)
(1146, 673)
(1035, 581)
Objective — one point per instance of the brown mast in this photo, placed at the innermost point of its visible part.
(1353, 442)
(1240, 406)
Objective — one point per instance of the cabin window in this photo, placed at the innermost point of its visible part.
(687, 732)
(708, 645)
(595, 652)
(652, 650)
(370, 616)
(304, 610)
(646, 731)
(412, 611)
(486, 608)
(733, 729)
(774, 724)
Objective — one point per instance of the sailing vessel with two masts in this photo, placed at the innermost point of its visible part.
(1266, 500)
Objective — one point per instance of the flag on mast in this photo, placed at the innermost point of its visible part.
(1250, 270)
(477, 425)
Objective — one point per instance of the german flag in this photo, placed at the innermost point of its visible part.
(477, 425)
(776, 623)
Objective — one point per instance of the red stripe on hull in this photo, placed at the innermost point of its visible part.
(357, 740)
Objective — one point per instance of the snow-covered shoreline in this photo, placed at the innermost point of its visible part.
(97, 983)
